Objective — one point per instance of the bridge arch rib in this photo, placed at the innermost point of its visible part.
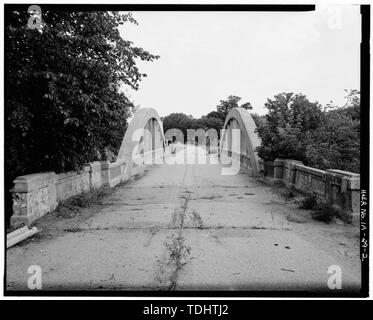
(239, 118)
(142, 144)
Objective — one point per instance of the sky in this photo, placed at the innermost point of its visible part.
(207, 56)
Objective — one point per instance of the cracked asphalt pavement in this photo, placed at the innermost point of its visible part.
(184, 227)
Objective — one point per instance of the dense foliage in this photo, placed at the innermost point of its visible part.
(214, 119)
(63, 104)
(232, 102)
(288, 119)
(178, 121)
(325, 138)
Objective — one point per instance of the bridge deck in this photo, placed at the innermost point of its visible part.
(187, 227)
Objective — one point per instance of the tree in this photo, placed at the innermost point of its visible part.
(206, 122)
(259, 120)
(295, 128)
(335, 144)
(216, 114)
(231, 102)
(213, 120)
(62, 88)
(288, 119)
(63, 105)
(178, 121)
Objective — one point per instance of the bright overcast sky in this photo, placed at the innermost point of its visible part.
(206, 56)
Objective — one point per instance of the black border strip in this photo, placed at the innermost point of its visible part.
(364, 145)
(135, 309)
(182, 293)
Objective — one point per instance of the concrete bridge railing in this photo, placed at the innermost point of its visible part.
(34, 195)
(339, 189)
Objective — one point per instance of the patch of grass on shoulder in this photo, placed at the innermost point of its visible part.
(320, 211)
(70, 207)
(287, 194)
(324, 212)
(310, 202)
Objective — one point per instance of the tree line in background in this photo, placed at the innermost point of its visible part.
(214, 119)
(294, 128)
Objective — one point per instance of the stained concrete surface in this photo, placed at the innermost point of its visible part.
(187, 227)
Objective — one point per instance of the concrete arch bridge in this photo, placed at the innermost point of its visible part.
(168, 222)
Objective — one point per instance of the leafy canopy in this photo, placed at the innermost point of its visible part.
(63, 104)
(231, 102)
(324, 138)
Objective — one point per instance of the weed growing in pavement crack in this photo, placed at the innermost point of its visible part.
(178, 253)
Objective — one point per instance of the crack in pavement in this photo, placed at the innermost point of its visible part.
(153, 232)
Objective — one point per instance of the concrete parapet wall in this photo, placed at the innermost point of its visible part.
(340, 189)
(34, 195)
(72, 183)
(112, 173)
(95, 175)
